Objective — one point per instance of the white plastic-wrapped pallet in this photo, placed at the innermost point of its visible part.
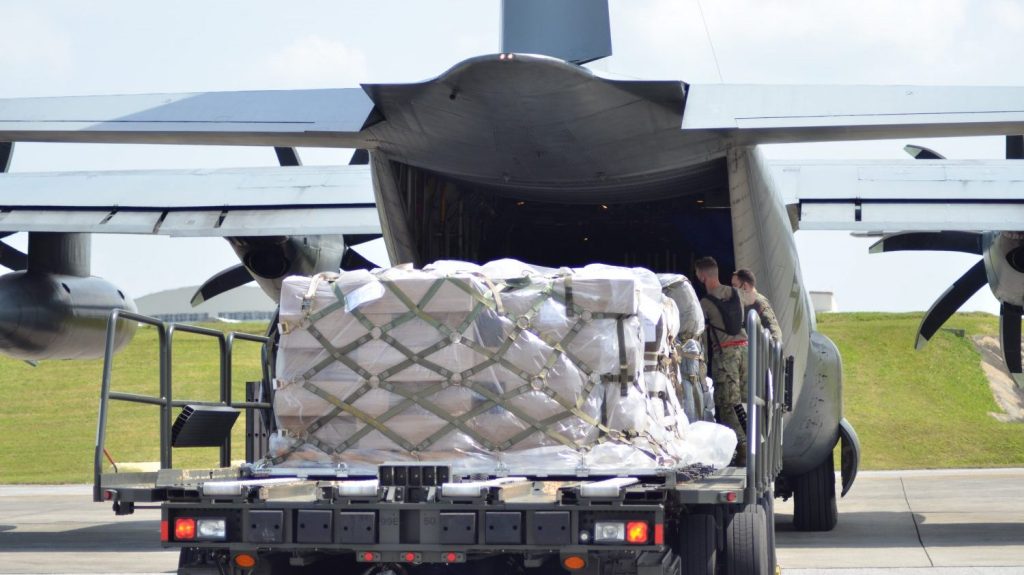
(503, 366)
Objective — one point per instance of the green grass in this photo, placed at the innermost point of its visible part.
(926, 409)
(48, 413)
(920, 409)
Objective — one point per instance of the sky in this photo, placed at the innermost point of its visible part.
(68, 47)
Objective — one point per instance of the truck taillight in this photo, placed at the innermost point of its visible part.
(184, 529)
(164, 531)
(636, 532)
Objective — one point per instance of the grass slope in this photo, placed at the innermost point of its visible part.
(926, 409)
(48, 413)
(920, 409)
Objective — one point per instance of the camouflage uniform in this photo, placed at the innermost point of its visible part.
(728, 366)
(729, 372)
(764, 309)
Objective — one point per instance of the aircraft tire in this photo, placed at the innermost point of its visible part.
(814, 498)
(697, 544)
(746, 544)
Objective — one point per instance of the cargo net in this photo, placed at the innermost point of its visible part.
(496, 368)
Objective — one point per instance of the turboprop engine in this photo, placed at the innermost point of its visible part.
(1001, 268)
(50, 308)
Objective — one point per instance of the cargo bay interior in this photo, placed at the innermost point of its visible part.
(663, 227)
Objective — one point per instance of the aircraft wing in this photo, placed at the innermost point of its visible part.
(764, 114)
(905, 195)
(321, 118)
(226, 202)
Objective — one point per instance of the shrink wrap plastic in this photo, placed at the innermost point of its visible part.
(497, 368)
(691, 318)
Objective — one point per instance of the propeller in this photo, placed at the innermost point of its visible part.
(922, 153)
(950, 301)
(12, 259)
(288, 157)
(237, 275)
(9, 257)
(221, 282)
(360, 157)
(6, 153)
(1003, 271)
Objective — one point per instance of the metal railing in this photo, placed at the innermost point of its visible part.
(166, 401)
(766, 372)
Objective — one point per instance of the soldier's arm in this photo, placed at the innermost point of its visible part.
(773, 322)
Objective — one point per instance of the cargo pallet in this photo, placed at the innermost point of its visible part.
(412, 517)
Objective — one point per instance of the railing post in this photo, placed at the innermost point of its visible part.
(101, 425)
(166, 391)
(226, 357)
(753, 341)
(116, 316)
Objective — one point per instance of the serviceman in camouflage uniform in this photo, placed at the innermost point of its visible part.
(728, 351)
(745, 281)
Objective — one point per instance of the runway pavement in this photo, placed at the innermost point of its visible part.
(902, 523)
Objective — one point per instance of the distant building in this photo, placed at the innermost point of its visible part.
(247, 303)
(823, 301)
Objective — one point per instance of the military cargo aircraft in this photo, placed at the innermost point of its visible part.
(525, 154)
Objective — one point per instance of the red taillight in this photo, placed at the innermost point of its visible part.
(451, 558)
(368, 556)
(659, 533)
(636, 532)
(409, 557)
(164, 535)
(184, 529)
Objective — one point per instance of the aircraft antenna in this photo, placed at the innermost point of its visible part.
(707, 33)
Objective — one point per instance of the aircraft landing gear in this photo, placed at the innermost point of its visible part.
(814, 498)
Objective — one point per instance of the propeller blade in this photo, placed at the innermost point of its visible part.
(922, 153)
(221, 282)
(360, 157)
(353, 260)
(1015, 147)
(6, 152)
(12, 259)
(1009, 340)
(967, 242)
(288, 157)
(950, 301)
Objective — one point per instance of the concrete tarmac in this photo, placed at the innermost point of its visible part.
(903, 523)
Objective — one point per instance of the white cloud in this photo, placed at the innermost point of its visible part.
(317, 62)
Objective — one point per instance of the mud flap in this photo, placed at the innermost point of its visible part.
(850, 452)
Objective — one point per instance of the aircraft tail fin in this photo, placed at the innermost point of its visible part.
(577, 31)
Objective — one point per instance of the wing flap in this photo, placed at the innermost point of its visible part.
(755, 114)
(907, 195)
(234, 202)
(329, 118)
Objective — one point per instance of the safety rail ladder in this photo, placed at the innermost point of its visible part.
(166, 401)
(766, 372)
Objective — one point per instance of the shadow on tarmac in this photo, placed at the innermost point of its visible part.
(882, 529)
(113, 537)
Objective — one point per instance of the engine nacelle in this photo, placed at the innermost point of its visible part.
(52, 316)
(1004, 265)
(270, 259)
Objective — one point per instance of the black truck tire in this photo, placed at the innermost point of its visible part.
(746, 544)
(814, 498)
(768, 505)
(698, 545)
